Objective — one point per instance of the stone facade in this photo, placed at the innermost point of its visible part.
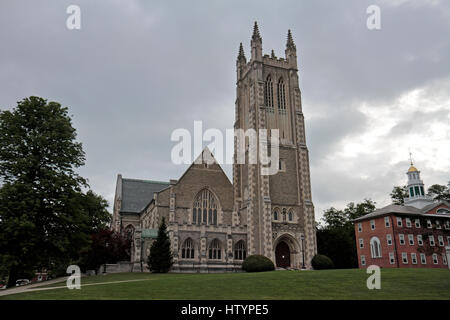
(214, 224)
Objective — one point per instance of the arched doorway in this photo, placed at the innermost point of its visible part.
(283, 255)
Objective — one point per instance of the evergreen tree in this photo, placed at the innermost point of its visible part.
(160, 259)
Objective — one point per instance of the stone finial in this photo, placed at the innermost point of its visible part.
(290, 41)
(256, 35)
(241, 55)
(273, 56)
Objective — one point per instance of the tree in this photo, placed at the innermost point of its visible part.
(160, 259)
(439, 192)
(398, 195)
(336, 237)
(43, 223)
(107, 246)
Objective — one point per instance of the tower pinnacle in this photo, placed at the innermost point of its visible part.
(241, 55)
(290, 41)
(256, 35)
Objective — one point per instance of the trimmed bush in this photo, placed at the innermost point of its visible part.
(257, 263)
(320, 262)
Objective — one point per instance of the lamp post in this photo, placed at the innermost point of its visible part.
(302, 237)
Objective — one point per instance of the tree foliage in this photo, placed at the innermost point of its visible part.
(398, 195)
(160, 259)
(439, 192)
(336, 236)
(45, 218)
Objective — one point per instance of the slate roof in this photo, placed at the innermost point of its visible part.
(137, 194)
(393, 208)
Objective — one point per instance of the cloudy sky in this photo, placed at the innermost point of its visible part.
(137, 70)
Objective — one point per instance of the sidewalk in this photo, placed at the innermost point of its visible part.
(31, 286)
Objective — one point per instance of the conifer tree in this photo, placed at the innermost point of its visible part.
(160, 259)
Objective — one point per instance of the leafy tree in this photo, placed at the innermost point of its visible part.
(336, 237)
(439, 192)
(160, 259)
(107, 246)
(398, 195)
(43, 223)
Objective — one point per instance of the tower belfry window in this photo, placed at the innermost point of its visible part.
(268, 94)
(281, 97)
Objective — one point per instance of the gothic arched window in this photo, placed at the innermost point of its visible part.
(275, 214)
(268, 94)
(281, 96)
(290, 215)
(129, 232)
(375, 247)
(240, 252)
(215, 250)
(205, 208)
(187, 249)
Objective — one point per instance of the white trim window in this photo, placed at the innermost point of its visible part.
(360, 227)
(447, 224)
(372, 224)
(429, 224)
(435, 258)
(361, 243)
(386, 222)
(375, 247)
(404, 258)
(363, 260)
(448, 240)
(389, 239)
(438, 224)
(399, 222)
(423, 258)
(408, 222)
(417, 223)
(411, 239)
(391, 258)
(419, 240)
(401, 237)
(444, 258)
(413, 258)
(431, 238)
(441, 241)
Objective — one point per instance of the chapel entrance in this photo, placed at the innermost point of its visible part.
(283, 255)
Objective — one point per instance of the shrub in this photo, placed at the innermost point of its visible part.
(257, 263)
(320, 262)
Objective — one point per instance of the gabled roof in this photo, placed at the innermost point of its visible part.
(398, 209)
(136, 194)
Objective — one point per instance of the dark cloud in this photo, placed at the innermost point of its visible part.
(139, 69)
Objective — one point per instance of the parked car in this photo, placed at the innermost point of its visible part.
(2, 285)
(22, 282)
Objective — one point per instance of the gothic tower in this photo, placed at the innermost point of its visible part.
(277, 209)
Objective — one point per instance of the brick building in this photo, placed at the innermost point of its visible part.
(214, 224)
(414, 235)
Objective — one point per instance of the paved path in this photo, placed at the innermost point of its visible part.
(32, 288)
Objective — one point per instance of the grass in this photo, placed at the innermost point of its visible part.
(396, 284)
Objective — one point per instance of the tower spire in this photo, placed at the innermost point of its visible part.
(241, 55)
(290, 41)
(256, 35)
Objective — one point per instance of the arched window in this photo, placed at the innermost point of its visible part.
(375, 247)
(281, 96)
(215, 250)
(268, 94)
(129, 231)
(187, 249)
(205, 208)
(290, 216)
(240, 252)
(275, 215)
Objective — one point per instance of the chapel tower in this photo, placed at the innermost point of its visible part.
(277, 209)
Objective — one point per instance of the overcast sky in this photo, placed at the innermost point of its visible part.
(137, 70)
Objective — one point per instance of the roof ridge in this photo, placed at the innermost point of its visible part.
(147, 181)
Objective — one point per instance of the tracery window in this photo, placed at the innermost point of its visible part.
(215, 250)
(187, 249)
(240, 251)
(268, 94)
(205, 208)
(281, 97)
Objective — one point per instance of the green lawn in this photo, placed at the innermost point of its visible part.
(326, 284)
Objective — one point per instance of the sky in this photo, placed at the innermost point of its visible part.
(138, 70)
